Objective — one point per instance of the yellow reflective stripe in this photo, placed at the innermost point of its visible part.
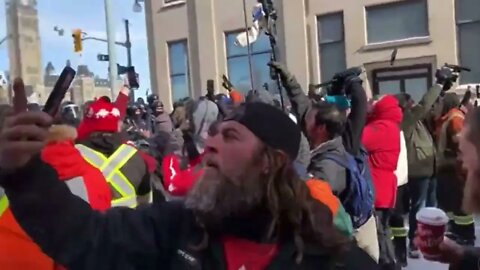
(118, 159)
(450, 215)
(126, 201)
(122, 185)
(110, 168)
(118, 180)
(3, 204)
(399, 232)
(463, 220)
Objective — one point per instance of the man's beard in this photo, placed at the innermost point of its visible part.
(471, 193)
(215, 197)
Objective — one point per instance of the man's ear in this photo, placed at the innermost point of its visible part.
(279, 159)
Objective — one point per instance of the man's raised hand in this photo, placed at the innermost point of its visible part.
(24, 133)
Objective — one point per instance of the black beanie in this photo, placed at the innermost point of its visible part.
(271, 125)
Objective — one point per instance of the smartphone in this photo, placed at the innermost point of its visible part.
(59, 90)
(132, 77)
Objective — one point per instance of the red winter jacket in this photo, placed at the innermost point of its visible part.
(381, 138)
(17, 250)
(69, 163)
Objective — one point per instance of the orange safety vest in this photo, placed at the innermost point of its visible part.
(17, 250)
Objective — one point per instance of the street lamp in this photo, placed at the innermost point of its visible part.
(137, 8)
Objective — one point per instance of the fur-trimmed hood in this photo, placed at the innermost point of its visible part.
(61, 154)
(58, 133)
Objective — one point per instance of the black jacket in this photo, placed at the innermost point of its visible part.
(154, 237)
(356, 119)
(471, 260)
(135, 170)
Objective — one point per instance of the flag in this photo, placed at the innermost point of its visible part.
(253, 32)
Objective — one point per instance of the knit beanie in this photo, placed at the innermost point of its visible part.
(341, 101)
(101, 116)
(260, 95)
(271, 125)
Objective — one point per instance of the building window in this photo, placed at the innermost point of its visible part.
(331, 45)
(397, 21)
(238, 67)
(173, 1)
(179, 75)
(468, 34)
(414, 80)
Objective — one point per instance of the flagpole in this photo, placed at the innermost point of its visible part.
(250, 67)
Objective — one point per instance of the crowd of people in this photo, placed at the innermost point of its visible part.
(321, 180)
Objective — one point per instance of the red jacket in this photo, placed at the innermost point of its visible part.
(69, 163)
(381, 138)
(17, 250)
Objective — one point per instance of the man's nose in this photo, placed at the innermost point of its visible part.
(212, 143)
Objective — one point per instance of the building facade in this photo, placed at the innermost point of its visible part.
(193, 41)
(85, 87)
(24, 48)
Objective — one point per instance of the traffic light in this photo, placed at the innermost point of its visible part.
(77, 40)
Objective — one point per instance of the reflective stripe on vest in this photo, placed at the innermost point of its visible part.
(463, 220)
(76, 186)
(110, 168)
(3, 201)
(399, 231)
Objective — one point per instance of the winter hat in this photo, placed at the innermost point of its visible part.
(271, 125)
(206, 113)
(101, 116)
(342, 102)
(260, 95)
(450, 101)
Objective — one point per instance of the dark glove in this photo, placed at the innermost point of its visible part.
(282, 70)
(446, 77)
(342, 81)
(226, 83)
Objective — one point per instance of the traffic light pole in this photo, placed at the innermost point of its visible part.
(112, 63)
(128, 46)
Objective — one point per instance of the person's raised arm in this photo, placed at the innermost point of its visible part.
(445, 77)
(358, 114)
(122, 100)
(300, 101)
(63, 225)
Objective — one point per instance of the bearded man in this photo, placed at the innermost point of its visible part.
(249, 210)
